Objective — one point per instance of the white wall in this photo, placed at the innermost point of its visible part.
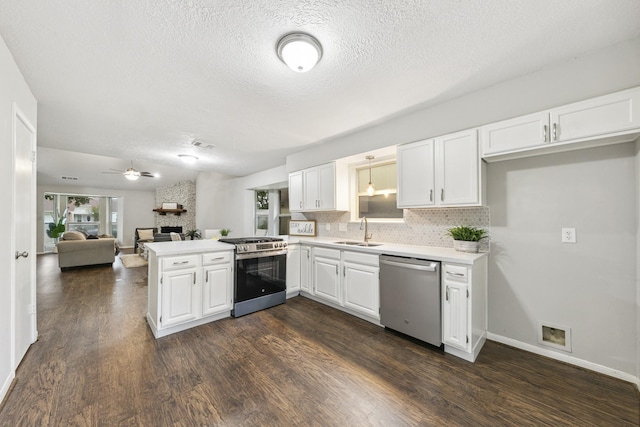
(13, 88)
(226, 202)
(638, 259)
(590, 286)
(601, 72)
(136, 208)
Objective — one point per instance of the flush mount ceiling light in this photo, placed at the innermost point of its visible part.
(187, 158)
(370, 189)
(299, 51)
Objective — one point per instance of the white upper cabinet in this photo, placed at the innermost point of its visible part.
(457, 169)
(320, 188)
(296, 191)
(444, 171)
(515, 134)
(606, 119)
(416, 174)
(599, 116)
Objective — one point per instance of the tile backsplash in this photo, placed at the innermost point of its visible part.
(426, 227)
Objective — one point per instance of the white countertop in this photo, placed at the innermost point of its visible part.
(188, 247)
(413, 251)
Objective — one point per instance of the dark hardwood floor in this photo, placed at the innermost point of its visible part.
(96, 363)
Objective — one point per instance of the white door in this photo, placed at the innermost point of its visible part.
(24, 145)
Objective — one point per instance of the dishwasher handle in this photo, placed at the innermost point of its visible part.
(431, 267)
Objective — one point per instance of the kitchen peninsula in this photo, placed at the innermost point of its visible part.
(190, 284)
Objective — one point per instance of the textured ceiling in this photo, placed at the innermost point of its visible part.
(140, 80)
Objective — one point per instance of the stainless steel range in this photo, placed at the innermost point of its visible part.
(261, 273)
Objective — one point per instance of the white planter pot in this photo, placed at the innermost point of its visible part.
(464, 246)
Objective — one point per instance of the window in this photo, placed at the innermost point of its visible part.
(272, 212)
(94, 215)
(382, 205)
(262, 213)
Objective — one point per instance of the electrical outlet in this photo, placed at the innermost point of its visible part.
(568, 235)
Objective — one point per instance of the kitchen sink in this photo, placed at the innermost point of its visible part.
(351, 243)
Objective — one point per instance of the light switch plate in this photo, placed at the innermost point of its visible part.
(568, 235)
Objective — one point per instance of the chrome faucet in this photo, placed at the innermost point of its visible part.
(367, 235)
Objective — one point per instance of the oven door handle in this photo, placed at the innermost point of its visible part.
(261, 254)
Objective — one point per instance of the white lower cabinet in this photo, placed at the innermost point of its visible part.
(216, 295)
(464, 302)
(361, 282)
(305, 268)
(179, 299)
(348, 280)
(188, 290)
(326, 274)
(293, 270)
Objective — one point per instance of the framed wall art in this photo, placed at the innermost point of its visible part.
(302, 228)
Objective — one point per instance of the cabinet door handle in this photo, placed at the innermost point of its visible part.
(206, 277)
(442, 194)
(344, 271)
(544, 134)
(300, 204)
(336, 270)
(431, 195)
(181, 263)
(455, 274)
(194, 278)
(555, 131)
(447, 294)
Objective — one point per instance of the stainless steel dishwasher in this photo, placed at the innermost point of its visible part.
(410, 297)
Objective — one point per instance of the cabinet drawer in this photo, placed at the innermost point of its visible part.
(361, 258)
(327, 253)
(178, 262)
(457, 272)
(216, 258)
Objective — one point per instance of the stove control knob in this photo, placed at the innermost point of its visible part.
(284, 245)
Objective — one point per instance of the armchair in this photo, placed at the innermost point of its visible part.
(147, 232)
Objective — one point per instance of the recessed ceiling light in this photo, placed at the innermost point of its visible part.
(187, 158)
(301, 52)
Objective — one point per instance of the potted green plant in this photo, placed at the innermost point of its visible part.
(225, 232)
(194, 234)
(467, 239)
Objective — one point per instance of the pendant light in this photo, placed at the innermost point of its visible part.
(370, 189)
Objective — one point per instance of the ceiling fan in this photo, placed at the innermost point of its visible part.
(131, 173)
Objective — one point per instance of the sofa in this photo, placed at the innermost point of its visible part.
(144, 235)
(74, 251)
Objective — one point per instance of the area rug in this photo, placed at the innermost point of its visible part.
(133, 261)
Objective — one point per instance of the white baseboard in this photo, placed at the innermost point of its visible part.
(566, 358)
(6, 386)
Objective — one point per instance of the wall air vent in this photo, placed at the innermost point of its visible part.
(202, 145)
(69, 178)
